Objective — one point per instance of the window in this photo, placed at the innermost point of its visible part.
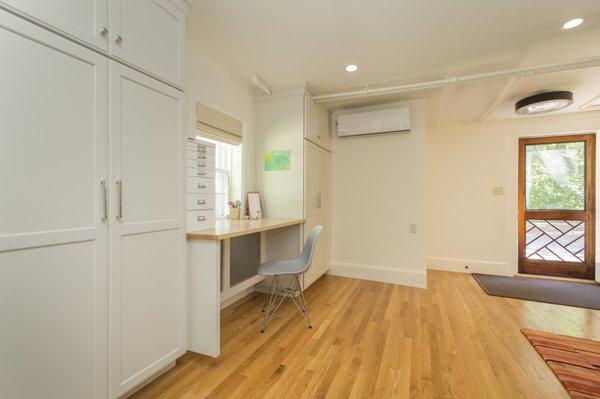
(228, 172)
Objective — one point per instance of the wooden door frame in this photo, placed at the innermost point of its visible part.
(588, 215)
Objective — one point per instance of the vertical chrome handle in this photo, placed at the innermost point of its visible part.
(119, 184)
(104, 201)
(318, 200)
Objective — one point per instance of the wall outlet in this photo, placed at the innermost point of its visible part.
(412, 227)
(498, 190)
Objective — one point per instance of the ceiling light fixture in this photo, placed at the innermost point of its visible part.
(351, 68)
(544, 102)
(572, 23)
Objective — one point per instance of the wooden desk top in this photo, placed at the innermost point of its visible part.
(226, 228)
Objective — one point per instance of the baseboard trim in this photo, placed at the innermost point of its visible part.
(474, 266)
(378, 273)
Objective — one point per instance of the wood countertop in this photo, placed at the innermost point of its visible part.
(234, 228)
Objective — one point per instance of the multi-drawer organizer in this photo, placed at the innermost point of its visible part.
(200, 171)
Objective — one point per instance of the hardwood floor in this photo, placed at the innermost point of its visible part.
(376, 340)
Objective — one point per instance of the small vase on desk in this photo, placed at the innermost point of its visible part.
(234, 213)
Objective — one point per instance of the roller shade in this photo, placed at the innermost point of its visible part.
(218, 126)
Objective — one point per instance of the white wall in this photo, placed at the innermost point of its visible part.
(378, 189)
(467, 225)
(212, 84)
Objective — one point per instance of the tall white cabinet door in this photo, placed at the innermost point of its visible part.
(147, 232)
(53, 239)
(82, 19)
(149, 34)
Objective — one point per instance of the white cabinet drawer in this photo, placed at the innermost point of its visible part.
(200, 185)
(200, 201)
(200, 156)
(200, 220)
(200, 163)
(201, 172)
(200, 148)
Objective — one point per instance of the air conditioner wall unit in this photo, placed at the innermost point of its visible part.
(374, 122)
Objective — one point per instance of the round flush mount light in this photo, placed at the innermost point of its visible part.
(572, 23)
(544, 102)
(351, 68)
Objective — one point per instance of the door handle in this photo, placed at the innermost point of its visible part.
(119, 184)
(104, 201)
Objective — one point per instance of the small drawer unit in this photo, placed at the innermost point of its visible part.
(200, 177)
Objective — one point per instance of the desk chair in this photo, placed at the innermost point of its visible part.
(293, 268)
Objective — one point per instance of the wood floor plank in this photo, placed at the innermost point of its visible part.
(381, 340)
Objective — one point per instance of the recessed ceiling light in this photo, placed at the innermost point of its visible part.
(573, 23)
(544, 102)
(351, 68)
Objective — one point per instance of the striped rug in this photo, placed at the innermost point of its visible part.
(574, 361)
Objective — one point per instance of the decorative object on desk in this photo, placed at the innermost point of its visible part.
(234, 209)
(277, 160)
(253, 205)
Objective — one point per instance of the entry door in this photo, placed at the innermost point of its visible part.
(557, 206)
(146, 227)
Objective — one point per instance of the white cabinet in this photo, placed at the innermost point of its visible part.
(146, 34)
(53, 239)
(317, 124)
(147, 233)
(81, 19)
(149, 34)
(200, 162)
(75, 246)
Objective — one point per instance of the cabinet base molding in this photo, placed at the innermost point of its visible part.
(378, 273)
(474, 266)
(150, 379)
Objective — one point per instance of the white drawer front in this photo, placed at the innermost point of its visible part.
(200, 201)
(200, 163)
(200, 148)
(200, 220)
(201, 172)
(200, 185)
(199, 156)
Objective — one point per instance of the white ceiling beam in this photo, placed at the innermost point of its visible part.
(443, 105)
(501, 96)
(495, 75)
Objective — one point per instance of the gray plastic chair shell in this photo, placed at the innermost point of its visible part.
(293, 266)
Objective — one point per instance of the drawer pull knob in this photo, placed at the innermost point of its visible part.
(200, 185)
(201, 164)
(201, 218)
(201, 202)
(200, 156)
(201, 173)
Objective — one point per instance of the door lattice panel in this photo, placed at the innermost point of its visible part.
(555, 240)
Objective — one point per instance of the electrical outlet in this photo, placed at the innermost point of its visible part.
(498, 190)
(412, 227)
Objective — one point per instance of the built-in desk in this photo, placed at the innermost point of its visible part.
(238, 246)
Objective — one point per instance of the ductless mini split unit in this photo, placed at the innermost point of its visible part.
(374, 122)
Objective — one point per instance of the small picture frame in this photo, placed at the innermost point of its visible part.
(254, 207)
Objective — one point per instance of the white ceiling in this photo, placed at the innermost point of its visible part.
(289, 43)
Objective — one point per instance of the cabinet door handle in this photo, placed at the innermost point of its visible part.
(118, 39)
(201, 218)
(102, 31)
(201, 202)
(104, 201)
(119, 184)
(318, 136)
(200, 185)
(318, 200)
(201, 173)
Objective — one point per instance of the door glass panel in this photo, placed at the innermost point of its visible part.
(555, 176)
(555, 240)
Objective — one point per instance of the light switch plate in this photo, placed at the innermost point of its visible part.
(412, 227)
(498, 190)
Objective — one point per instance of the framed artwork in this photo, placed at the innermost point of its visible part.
(277, 160)
(254, 207)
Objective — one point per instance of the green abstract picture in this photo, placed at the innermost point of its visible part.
(277, 160)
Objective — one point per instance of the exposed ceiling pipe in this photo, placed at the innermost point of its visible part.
(502, 74)
(261, 84)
